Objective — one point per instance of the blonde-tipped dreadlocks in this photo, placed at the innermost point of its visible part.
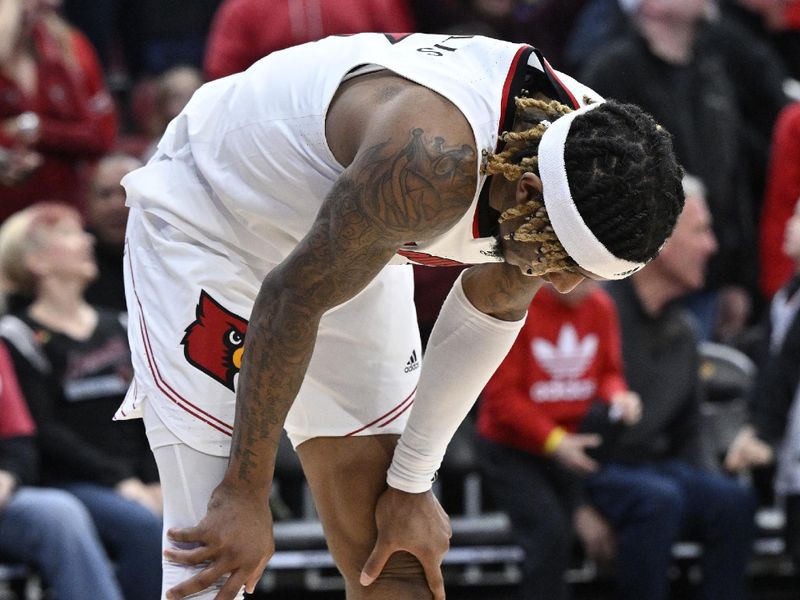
(520, 152)
(537, 229)
(520, 156)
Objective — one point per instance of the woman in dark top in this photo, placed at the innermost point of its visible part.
(73, 364)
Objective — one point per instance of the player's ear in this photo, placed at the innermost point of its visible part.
(529, 186)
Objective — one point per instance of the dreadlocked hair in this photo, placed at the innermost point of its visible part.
(622, 172)
(625, 179)
(521, 147)
(537, 229)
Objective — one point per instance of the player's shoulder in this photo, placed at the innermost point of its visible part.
(421, 107)
(390, 111)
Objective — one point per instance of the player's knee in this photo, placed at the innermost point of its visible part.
(401, 577)
(403, 566)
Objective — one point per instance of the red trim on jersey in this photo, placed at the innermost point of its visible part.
(162, 385)
(575, 103)
(405, 408)
(175, 396)
(475, 232)
(121, 409)
(428, 259)
(188, 407)
(402, 407)
(512, 70)
(406, 404)
(503, 103)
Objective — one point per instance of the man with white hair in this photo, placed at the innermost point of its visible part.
(649, 488)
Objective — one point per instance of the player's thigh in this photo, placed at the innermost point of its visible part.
(347, 475)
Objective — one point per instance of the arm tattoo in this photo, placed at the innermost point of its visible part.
(423, 183)
(391, 194)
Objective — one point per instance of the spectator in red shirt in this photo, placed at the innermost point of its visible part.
(562, 376)
(55, 111)
(245, 30)
(783, 191)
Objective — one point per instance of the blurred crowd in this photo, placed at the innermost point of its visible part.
(590, 430)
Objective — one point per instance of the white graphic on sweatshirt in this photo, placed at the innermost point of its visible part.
(565, 362)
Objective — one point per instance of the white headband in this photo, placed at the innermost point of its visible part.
(575, 236)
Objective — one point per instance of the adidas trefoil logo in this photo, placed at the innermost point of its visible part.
(569, 357)
(566, 362)
(413, 362)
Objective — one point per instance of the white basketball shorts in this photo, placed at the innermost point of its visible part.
(188, 310)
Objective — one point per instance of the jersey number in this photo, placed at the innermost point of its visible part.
(435, 50)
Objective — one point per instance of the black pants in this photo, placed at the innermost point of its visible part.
(538, 497)
(792, 532)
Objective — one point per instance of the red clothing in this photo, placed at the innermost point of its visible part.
(564, 358)
(783, 192)
(15, 420)
(244, 31)
(793, 14)
(77, 115)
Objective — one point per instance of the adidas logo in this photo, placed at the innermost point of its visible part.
(569, 357)
(413, 363)
(565, 361)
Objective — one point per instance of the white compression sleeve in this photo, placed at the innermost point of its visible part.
(465, 348)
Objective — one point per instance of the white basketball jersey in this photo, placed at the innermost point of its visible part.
(246, 165)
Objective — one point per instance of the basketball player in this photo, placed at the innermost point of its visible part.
(263, 282)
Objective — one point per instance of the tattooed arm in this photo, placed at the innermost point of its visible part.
(390, 194)
(413, 175)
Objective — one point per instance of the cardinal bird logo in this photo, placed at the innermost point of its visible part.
(214, 343)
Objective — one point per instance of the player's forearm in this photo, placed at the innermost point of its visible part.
(278, 347)
(500, 290)
(465, 348)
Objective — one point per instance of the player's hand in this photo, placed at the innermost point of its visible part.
(415, 523)
(571, 452)
(747, 450)
(235, 538)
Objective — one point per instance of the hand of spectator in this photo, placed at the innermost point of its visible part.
(8, 483)
(24, 129)
(234, 538)
(595, 533)
(156, 498)
(734, 307)
(415, 523)
(10, 24)
(627, 407)
(17, 165)
(747, 451)
(134, 490)
(571, 452)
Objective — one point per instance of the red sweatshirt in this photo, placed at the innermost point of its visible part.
(77, 115)
(783, 192)
(245, 30)
(564, 358)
